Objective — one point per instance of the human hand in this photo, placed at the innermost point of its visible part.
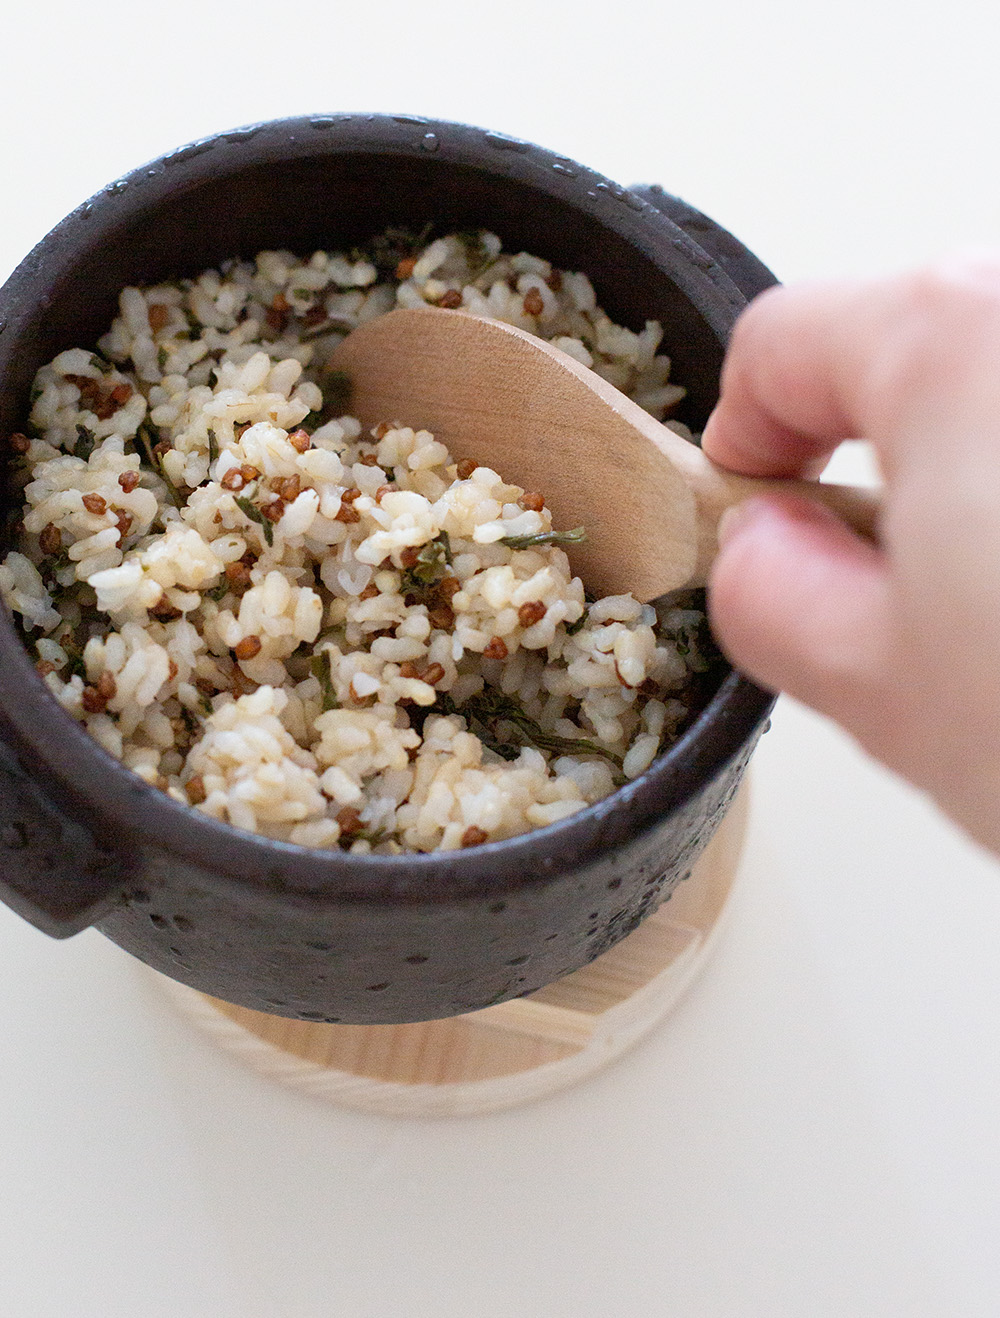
(900, 644)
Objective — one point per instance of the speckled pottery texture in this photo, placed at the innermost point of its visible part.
(314, 934)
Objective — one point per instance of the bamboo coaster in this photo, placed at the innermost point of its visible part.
(510, 1053)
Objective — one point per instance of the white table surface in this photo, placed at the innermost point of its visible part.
(813, 1134)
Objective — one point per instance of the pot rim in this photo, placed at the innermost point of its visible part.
(116, 802)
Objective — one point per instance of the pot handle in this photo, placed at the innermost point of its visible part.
(53, 872)
(750, 275)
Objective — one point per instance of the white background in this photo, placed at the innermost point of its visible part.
(814, 1133)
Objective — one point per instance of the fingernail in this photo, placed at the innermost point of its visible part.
(738, 516)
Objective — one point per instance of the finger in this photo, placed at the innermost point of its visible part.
(790, 382)
(907, 362)
(800, 604)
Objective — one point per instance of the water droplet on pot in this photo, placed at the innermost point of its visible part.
(189, 152)
(503, 143)
(243, 134)
(562, 166)
(430, 141)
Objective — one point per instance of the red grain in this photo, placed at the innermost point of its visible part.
(248, 648)
(529, 614)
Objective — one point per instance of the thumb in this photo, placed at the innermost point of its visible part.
(801, 604)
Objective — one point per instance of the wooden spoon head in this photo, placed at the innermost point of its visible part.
(512, 402)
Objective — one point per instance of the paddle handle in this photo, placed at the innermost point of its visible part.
(715, 489)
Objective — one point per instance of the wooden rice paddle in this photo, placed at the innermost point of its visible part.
(649, 500)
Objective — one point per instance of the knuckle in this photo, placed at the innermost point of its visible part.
(938, 319)
(956, 286)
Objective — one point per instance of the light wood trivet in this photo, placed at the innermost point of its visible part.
(510, 1053)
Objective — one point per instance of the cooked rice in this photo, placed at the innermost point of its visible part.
(312, 633)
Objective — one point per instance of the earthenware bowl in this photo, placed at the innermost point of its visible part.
(316, 934)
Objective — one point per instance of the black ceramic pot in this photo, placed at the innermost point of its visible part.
(315, 934)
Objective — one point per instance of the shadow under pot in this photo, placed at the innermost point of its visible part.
(323, 934)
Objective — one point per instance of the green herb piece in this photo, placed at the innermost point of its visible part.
(74, 657)
(483, 713)
(213, 446)
(147, 437)
(433, 559)
(100, 362)
(303, 294)
(53, 564)
(190, 720)
(689, 641)
(319, 666)
(85, 442)
(573, 627)
(477, 253)
(395, 245)
(574, 537)
(332, 325)
(218, 592)
(206, 704)
(161, 358)
(254, 513)
(368, 835)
